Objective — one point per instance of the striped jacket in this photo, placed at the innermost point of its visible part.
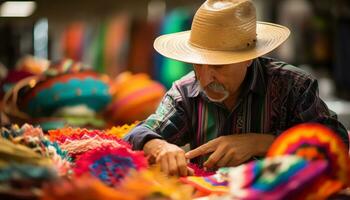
(274, 97)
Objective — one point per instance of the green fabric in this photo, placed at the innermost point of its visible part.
(99, 49)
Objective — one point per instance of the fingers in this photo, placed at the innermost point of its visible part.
(214, 158)
(164, 166)
(151, 159)
(224, 161)
(196, 152)
(233, 163)
(190, 171)
(203, 149)
(173, 163)
(181, 164)
(173, 168)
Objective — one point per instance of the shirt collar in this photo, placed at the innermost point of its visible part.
(254, 81)
(194, 89)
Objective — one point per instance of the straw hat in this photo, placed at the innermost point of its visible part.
(223, 32)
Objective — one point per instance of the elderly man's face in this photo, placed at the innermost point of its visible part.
(220, 82)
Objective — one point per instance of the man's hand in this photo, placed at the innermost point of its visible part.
(232, 150)
(170, 157)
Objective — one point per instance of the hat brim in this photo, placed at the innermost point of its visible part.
(177, 47)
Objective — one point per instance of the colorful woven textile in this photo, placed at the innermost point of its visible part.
(121, 131)
(314, 142)
(198, 171)
(216, 183)
(16, 153)
(136, 101)
(144, 184)
(34, 138)
(153, 184)
(61, 135)
(64, 94)
(25, 172)
(65, 84)
(74, 89)
(317, 142)
(22, 171)
(307, 161)
(110, 164)
(82, 188)
(279, 177)
(78, 141)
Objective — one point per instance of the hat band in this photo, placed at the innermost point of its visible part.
(244, 46)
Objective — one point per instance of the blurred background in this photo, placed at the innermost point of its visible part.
(113, 36)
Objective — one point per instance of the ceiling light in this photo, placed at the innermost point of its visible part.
(17, 8)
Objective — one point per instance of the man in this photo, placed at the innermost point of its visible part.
(234, 104)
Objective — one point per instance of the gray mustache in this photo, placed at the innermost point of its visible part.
(216, 87)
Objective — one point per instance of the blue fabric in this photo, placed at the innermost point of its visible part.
(93, 93)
